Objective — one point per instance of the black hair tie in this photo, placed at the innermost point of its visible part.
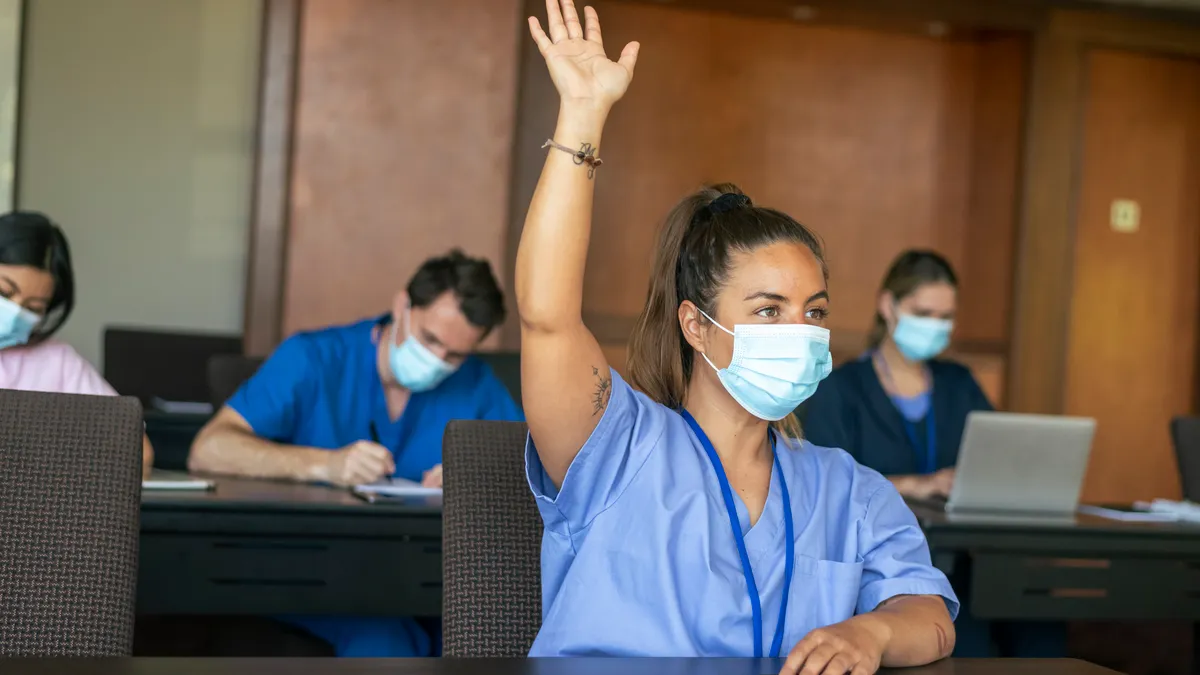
(728, 202)
(723, 204)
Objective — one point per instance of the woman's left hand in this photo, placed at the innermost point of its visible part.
(854, 646)
(432, 478)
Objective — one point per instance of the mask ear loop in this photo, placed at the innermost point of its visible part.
(718, 325)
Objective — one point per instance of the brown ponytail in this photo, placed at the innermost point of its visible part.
(908, 272)
(691, 262)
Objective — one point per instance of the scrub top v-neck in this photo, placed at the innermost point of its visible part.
(639, 557)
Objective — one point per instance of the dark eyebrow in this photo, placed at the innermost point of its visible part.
(10, 282)
(766, 295)
(430, 338)
(822, 295)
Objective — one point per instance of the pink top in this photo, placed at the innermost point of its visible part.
(51, 366)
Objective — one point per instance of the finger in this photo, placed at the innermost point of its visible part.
(629, 56)
(862, 669)
(838, 665)
(539, 36)
(818, 659)
(554, 20)
(571, 19)
(797, 656)
(591, 22)
(376, 450)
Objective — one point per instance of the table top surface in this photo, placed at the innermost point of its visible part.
(932, 519)
(202, 666)
(242, 494)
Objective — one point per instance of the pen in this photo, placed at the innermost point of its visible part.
(374, 435)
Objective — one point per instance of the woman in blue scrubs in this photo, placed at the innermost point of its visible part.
(901, 411)
(683, 517)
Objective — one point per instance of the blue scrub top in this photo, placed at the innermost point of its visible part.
(638, 558)
(321, 389)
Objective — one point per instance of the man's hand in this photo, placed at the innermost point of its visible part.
(853, 646)
(357, 463)
(432, 478)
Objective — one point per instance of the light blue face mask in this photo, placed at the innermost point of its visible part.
(920, 338)
(16, 324)
(775, 367)
(415, 367)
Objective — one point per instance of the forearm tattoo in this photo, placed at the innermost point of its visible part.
(602, 392)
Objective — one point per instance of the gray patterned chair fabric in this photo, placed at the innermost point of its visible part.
(1185, 435)
(491, 543)
(70, 494)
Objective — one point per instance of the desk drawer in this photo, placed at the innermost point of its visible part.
(1016, 586)
(190, 574)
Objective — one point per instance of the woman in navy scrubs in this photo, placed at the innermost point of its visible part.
(901, 411)
(898, 409)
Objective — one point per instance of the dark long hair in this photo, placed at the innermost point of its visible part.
(30, 239)
(908, 272)
(692, 262)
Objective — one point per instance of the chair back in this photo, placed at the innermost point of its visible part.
(491, 543)
(162, 364)
(70, 467)
(227, 372)
(1185, 435)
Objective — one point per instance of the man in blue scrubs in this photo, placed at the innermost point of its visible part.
(353, 404)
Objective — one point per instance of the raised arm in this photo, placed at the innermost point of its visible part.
(565, 379)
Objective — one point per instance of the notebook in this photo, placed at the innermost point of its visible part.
(173, 480)
(398, 487)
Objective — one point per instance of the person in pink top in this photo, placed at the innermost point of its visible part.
(37, 294)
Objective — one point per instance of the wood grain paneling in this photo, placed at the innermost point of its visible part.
(1000, 82)
(871, 138)
(1133, 320)
(403, 136)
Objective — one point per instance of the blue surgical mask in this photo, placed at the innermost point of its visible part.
(775, 367)
(415, 367)
(16, 324)
(920, 338)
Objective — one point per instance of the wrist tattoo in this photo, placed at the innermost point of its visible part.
(603, 391)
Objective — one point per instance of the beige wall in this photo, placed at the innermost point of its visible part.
(137, 136)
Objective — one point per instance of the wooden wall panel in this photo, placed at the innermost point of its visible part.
(403, 136)
(986, 274)
(868, 137)
(1133, 323)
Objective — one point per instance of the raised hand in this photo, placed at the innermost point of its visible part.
(574, 54)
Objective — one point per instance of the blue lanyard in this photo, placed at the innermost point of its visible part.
(930, 463)
(790, 542)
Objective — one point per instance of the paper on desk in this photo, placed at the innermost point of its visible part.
(1131, 516)
(166, 480)
(399, 487)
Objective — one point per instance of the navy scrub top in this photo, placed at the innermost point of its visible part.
(852, 411)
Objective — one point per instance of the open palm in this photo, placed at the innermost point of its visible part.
(574, 54)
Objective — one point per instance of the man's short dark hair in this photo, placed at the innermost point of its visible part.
(470, 279)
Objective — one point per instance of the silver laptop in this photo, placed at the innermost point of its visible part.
(1015, 463)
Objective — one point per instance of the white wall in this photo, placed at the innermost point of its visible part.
(137, 132)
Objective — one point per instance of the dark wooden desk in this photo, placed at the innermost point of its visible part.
(258, 547)
(1076, 568)
(501, 667)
